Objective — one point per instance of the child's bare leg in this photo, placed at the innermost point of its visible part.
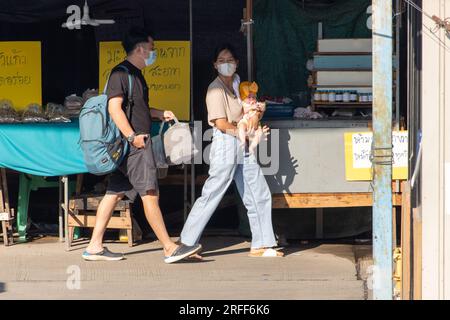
(255, 140)
(242, 126)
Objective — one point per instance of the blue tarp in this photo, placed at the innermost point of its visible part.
(42, 149)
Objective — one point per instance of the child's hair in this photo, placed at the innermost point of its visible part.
(246, 87)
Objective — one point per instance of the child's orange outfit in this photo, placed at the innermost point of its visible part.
(247, 91)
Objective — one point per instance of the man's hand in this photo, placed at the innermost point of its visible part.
(139, 141)
(167, 116)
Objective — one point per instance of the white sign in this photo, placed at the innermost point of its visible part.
(4, 216)
(362, 147)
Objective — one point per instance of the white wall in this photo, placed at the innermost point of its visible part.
(436, 156)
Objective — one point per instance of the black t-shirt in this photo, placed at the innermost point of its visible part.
(118, 84)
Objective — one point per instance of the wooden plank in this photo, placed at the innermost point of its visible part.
(86, 221)
(91, 202)
(327, 200)
(406, 241)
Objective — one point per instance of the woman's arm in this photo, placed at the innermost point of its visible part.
(223, 125)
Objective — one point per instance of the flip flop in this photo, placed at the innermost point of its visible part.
(266, 253)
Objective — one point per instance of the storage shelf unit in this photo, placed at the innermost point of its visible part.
(343, 104)
(342, 65)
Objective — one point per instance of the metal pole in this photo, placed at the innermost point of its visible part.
(249, 27)
(398, 22)
(192, 120)
(382, 150)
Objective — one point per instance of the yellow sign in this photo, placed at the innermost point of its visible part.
(168, 78)
(358, 163)
(20, 72)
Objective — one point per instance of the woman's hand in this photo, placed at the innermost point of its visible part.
(266, 132)
(167, 116)
(139, 141)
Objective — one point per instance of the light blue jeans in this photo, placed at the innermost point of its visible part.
(228, 162)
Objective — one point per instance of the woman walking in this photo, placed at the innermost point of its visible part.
(229, 162)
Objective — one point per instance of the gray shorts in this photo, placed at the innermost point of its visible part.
(136, 175)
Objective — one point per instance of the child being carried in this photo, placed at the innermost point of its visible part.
(251, 106)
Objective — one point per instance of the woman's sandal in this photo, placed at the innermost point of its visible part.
(266, 253)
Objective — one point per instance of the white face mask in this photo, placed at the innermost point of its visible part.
(226, 69)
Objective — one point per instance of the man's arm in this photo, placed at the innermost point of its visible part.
(121, 121)
(163, 115)
(156, 113)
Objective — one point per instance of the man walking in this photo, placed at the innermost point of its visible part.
(137, 174)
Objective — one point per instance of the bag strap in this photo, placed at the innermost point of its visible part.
(130, 84)
(163, 122)
(130, 101)
(161, 127)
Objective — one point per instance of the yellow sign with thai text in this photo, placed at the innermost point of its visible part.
(20, 73)
(358, 162)
(168, 78)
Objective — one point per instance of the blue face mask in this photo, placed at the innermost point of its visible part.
(151, 58)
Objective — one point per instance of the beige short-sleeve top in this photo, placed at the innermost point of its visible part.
(222, 103)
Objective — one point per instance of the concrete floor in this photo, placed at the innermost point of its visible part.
(43, 269)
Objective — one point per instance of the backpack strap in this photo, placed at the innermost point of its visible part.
(130, 101)
(130, 84)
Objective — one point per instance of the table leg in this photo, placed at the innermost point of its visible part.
(60, 210)
(22, 207)
(72, 191)
(319, 223)
(66, 209)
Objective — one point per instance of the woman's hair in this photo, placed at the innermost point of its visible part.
(225, 46)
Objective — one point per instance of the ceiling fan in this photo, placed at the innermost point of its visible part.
(85, 20)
